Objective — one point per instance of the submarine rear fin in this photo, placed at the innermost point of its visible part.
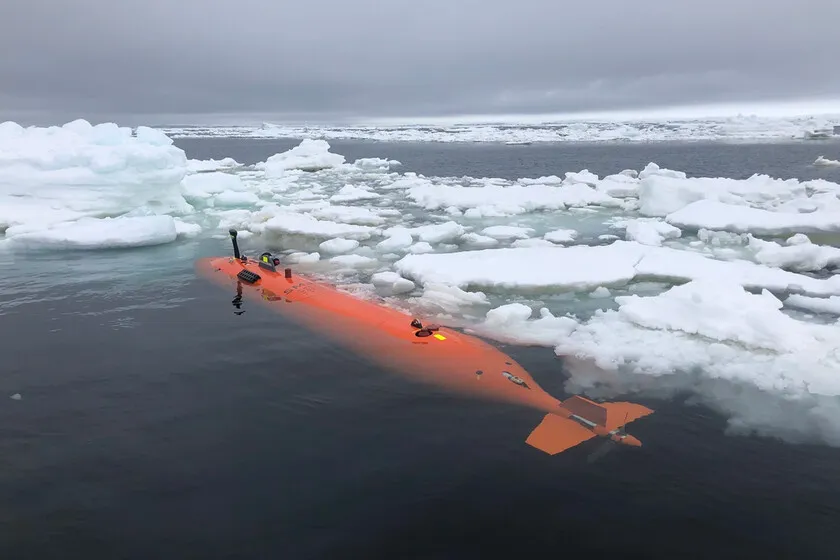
(555, 434)
(621, 413)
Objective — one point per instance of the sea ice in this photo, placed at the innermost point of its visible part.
(310, 155)
(589, 267)
(55, 174)
(827, 162)
(102, 233)
(714, 215)
(650, 232)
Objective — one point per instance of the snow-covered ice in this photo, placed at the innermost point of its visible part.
(550, 128)
(713, 215)
(102, 233)
(824, 161)
(310, 155)
(58, 174)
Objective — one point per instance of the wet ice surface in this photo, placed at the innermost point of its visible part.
(720, 286)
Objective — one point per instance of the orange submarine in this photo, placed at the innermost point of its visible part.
(429, 353)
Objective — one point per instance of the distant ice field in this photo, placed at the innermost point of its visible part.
(730, 128)
(644, 279)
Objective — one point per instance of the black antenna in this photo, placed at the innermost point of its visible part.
(232, 233)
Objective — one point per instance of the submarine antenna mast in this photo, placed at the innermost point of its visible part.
(236, 253)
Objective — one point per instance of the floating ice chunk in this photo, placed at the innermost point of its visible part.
(82, 170)
(393, 281)
(525, 268)
(309, 155)
(661, 195)
(600, 292)
(353, 261)
(826, 162)
(586, 177)
(477, 240)
(439, 233)
(532, 243)
(16, 397)
(338, 245)
(186, 229)
(512, 323)
(201, 186)
(498, 200)
(717, 329)
(376, 164)
(199, 165)
(300, 224)
(650, 232)
(352, 193)
(101, 233)
(450, 298)
(586, 268)
(420, 248)
(234, 198)
(722, 238)
(819, 305)
(507, 232)
(672, 264)
(713, 215)
(300, 257)
(619, 186)
(560, 236)
(800, 255)
(737, 351)
(349, 215)
(652, 169)
(398, 238)
(720, 311)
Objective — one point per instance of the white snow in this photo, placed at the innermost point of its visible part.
(521, 130)
(500, 200)
(560, 236)
(827, 162)
(351, 193)
(511, 323)
(714, 215)
(353, 261)
(507, 232)
(199, 165)
(799, 254)
(55, 174)
(302, 224)
(104, 233)
(202, 186)
(650, 232)
(589, 267)
(339, 245)
(393, 281)
(820, 305)
(310, 155)
(663, 194)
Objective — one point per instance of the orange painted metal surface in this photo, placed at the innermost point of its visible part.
(433, 354)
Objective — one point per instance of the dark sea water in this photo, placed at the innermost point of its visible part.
(155, 423)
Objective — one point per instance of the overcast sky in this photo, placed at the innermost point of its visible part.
(147, 60)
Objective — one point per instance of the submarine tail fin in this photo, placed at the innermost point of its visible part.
(555, 434)
(622, 413)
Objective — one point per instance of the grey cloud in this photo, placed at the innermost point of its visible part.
(134, 59)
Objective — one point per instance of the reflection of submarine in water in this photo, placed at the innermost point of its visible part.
(429, 353)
